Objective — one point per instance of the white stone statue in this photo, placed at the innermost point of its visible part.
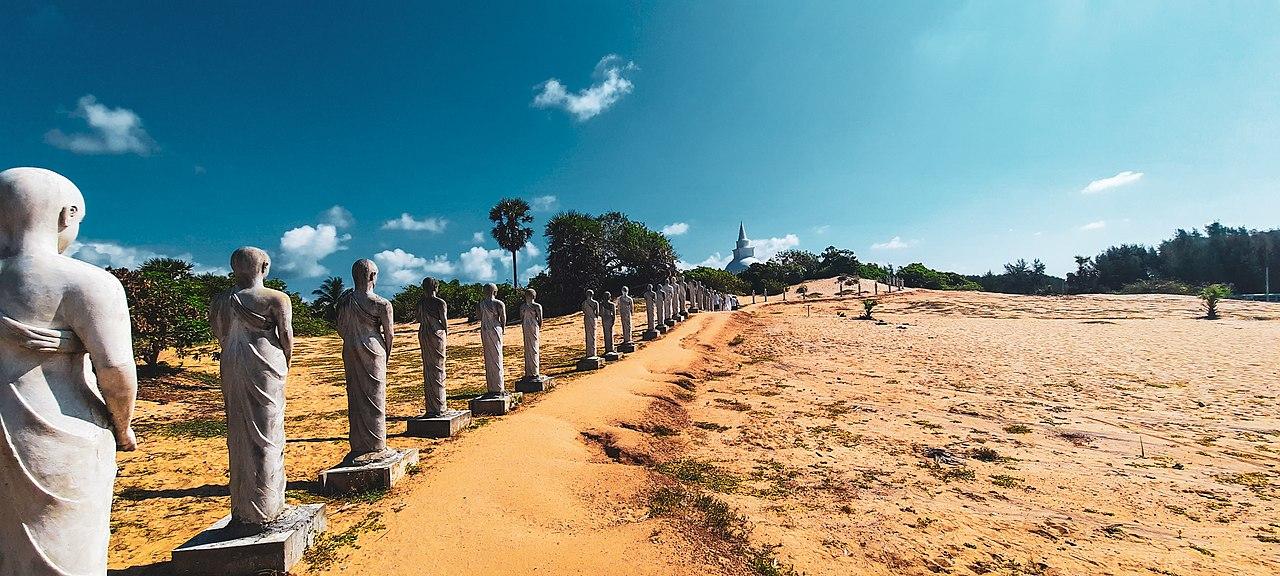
(531, 323)
(590, 311)
(608, 312)
(68, 383)
(626, 307)
(367, 328)
(650, 306)
(433, 315)
(493, 325)
(253, 325)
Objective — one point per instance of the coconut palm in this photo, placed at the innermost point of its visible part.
(326, 302)
(509, 218)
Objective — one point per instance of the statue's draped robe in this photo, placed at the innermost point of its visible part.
(491, 342)
(650, 307)
(253, 369)
(364, 359)
(530, 323)
(431, 338)
(607, 319)
(590, 309)
(624, 313)
(57, 464)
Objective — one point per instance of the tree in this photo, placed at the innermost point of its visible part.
(166, 309)
(834, 261)
(1211, 294)
(327, 295)
(509, 218)
(602, 252)
(867, 306)
(717, 279)
(803, 292)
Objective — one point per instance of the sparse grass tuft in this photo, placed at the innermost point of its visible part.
(1017, 429)
(324, 553)
(985, 454)
(197, 428)
(1006, 481)
(700, 473)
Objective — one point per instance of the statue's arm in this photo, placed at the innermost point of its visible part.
(444, 316)
(388, 325)
(40, 339)
(538, 308)
(284, 328)
(102, 322)
(502, 316)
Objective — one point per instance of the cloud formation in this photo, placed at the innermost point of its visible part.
(611, 85)
(482, 264)
(895, 243)
(675, 229)
(1100, 224)
(544, 203)
(767, 248)
(112, 131)
(338, 216)
(713, 261)
(823, 229)
(110, 254)
(408, 222)
(403, 268)
(1122, 179)
(302, 248)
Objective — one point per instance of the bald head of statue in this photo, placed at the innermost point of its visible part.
(365, 274)
(42, 211)
(249, 265)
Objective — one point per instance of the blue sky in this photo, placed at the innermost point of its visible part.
(960, 134)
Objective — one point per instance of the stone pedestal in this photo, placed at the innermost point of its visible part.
(628, 347)
(670, 322)
(382, 474)
(694, 310)
(592, 363)
(539, 383)
(442, 426)
(227, 550)
(662, 328)
(495, 405)
(650, 334)
(612, 356)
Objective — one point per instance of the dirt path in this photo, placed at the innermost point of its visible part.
(531, 494)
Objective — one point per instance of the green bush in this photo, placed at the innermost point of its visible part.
(1211, 294)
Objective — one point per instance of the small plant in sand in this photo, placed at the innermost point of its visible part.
(1211, 294)
(803, 291)
(868, 305)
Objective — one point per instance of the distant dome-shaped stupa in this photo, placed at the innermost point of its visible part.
(744, 255)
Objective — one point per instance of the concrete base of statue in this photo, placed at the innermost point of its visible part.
(495, 404)
(650, 334)
(694, 310)
(670, 322)
(234, 550)
(539, 383)
(662, 328)
(591, 363)
(378, 475)
(612, 356)
(628, 347)
(442, 426)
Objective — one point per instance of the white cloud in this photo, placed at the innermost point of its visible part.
(544, 203)
(303, 248)
(531, 251)
(765, 249)
(1095, 225)
(479, 263)
(338, 216)
(675, 229)
(713, 261)
(534, 270)
(403, 268)
(110, 254)
(477, 237)
(1102, 185)
(895, 243)
(823, 229)
(612, 84)
(408, 222)
(112, 131)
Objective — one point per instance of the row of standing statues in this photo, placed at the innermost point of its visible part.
(69, 384)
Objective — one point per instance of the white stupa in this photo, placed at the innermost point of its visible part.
(744, 255)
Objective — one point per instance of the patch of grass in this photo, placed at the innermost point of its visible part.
(1255, 481)
(700, 473)
(927, 425)
(921, 523)
(1006, 481)
(1017, 429)
(1114, 531)
(762, 561)
(712, 426)
(197, 428)
(365, 497)
(1269, 539)
(949, 473)
(324, 553)
(719, 520)
(985, 454)
(737, 340)
(305, 497)
(1203, 550)
(733, 404)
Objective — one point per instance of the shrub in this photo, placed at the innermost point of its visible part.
(1211, 294)
(867, 306)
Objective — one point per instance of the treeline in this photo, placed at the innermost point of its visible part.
(795, 266)
(1236, 257)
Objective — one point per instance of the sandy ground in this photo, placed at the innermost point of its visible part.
(969, 434)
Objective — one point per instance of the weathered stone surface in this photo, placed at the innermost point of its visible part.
(650, 334)
(592, 363)
(495, 404)
(612, 356)
(382, 474)
(367, 327)
(442, 426)
(227, 549)
(539, 383)
(628, 347)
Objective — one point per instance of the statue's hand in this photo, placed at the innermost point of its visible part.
(127, 442)
(40, 339)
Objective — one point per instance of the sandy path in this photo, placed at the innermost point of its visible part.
(526, 494)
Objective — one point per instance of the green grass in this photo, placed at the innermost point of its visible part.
(1017, 429)
(197, 428)
(1006, 481)
(702, 474)
(324, 553)
(985, 454)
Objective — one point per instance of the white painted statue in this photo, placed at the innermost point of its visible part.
(626, 307)
(69, 383)
(590, 311)
(253, 325)
(650, 306)
(433, 315)
(366, 325)
(608, 312)
(493, 325)
(531, 323)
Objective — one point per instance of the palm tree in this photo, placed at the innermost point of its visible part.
(327, 295)
(509, 218)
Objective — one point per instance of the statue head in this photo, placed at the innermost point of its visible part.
(250, 265)
(365, 274)
(607, 295)
(40, 205)
(625, 291)
(430, 285)
(648, 287)
(530, 295)
(590, 294)
(490, 290)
